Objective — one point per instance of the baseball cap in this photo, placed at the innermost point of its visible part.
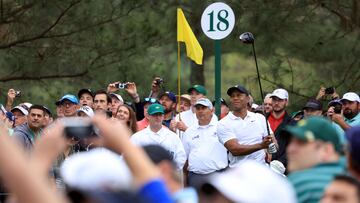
(316, 128)
(353, 137)
(98, 169)
(82, 91)
(199, 88)
(297, 113)
(222, 102)
(69, 97)
(26, 105)
(47, 110)
(155, 108)
(21, 109)
(237, 88)
(10, 116)
(185, 96)
(244, 184)
(350, 96)
(313, 104)
(280, 93)
(87, 110)
(334, 102)
(254, 106)
(170, 95)
(158, 153)
(117, 96)
(204, 102)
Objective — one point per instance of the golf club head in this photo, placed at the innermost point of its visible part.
(247, 38)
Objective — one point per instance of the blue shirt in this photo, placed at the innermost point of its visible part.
(155, 192)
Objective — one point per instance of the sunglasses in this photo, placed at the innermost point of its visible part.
(151, 100)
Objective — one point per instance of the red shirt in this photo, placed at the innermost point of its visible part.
(274, 123)
(142, 124)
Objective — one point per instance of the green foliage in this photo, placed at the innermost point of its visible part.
(49, 48)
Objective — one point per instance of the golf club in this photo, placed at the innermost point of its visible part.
(248, 38)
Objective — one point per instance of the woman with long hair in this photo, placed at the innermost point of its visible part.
(127, 115)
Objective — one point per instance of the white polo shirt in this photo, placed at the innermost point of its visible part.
(204, 151)
(165, 138)
(247, 131)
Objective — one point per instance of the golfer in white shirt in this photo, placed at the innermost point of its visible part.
(242, 132)
(205, 154)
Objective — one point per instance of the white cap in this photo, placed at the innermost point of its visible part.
(253, 182)
(21, 109)
(98, 169)
(204, 102)
(117, 97)
(87, 110)
(27, 104)
(254, 106)
(186, 96)
(280, 93)
(277, 167)
(351, 96)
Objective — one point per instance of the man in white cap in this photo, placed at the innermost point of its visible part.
(116, 101)
(200, 140)
(20, 112)
(350, 111)
(278, 118)
(85, 111)
(184, 103)
(280, 100)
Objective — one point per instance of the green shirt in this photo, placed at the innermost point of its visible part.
(354, 121)
(351, 122)
(310, 183)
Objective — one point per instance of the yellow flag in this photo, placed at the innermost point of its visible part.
(185, 34)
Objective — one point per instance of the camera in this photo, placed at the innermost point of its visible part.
(330, 90)
(337, 108)
(121, 85)
(78, 128)
(159, 81)
(18, 93)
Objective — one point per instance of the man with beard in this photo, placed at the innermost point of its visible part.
(278, 119)
(168, 101)
(350, 111)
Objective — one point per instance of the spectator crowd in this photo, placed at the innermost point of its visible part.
(97, 147)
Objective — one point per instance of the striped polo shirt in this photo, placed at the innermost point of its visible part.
(310, 183)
